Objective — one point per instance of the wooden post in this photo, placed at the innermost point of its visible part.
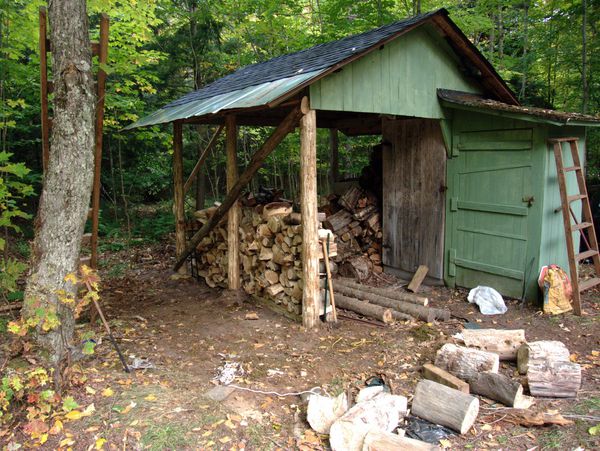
(308, 205)
(102, 59)
(286, 126)
(44, 90)
(178, 195)
(233, 216)
(334, 169)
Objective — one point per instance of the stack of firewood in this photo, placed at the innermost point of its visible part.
(270, 253)
(357, 224)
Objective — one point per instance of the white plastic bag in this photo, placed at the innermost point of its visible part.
(490, 302)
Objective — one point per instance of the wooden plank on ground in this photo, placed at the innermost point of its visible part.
(418, 278)
(433, 373)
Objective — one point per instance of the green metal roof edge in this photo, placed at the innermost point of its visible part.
(253, 96)
(518, 116)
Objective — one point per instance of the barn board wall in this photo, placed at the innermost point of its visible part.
(553, 248)
(513, 132)
(414, 172)
(400, 78)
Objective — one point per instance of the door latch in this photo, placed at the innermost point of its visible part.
(529, 199)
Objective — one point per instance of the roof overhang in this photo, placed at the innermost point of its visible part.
(472, 102)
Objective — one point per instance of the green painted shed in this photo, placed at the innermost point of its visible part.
(470, 184)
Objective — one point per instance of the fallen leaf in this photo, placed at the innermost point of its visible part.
(150, 397)
(107, 392)
(594, 430)
(67, 442)
(445, 443)
(43, 438)
(73, 415)
(56, 428)
(100, 443)
(251, 315)
(128, 408)
(225, 440)
(90, 390)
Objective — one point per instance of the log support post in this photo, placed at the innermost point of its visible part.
(178, 194)
(233, 215)
(308, 205)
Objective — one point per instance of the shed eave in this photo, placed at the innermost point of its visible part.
(264, 95)
(519, 116)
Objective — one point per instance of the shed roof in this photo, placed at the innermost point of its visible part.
(274, 80)
(476, 102)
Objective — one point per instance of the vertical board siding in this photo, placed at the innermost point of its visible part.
(553, 248)
(414, 169)
(399, 78)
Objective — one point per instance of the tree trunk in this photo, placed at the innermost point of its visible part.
(585, 87)
(67, 186)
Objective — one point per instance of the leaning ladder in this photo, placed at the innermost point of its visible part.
(99, 49)
(585, 227)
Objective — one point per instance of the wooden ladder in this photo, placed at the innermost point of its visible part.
(584, 227)
(99, 49)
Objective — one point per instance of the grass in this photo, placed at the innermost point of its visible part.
(587, 405)
(167, 436)
(551, 440)
(336, 386)
(117, 270)
(258, 436)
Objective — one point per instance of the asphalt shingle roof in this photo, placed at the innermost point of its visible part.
(316, 58)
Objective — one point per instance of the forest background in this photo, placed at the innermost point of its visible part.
(548, 51)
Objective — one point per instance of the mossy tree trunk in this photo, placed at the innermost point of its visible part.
(67, 184)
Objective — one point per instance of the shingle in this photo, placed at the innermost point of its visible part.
(313, 59)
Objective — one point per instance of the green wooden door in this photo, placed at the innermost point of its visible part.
(489, 209)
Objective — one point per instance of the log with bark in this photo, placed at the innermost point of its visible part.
(386, 292)
(466, 363)
(418, 311)
(364, 308)
(497, 387)
(443, 405)
(540, 351)
(505, 343)
(553, 379)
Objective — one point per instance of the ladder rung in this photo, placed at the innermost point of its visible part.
(581, 226)
(85, 260)
(562, 140)
(576, 197)
(572, 168)
(90, 213)
(586, 254)
(589, 283)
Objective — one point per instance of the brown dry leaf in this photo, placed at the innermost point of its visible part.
(225, 440)
(251, 316)
(265, 405)
(529, 419)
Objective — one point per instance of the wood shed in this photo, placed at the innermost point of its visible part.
(469, 182)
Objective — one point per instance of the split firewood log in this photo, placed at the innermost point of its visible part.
(553, 379)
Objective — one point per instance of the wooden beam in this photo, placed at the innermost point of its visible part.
(101, 85)
(334, 168)
(233, 216)
(308, 206)
(178, 195)
(285, 127)
(202, 159)
(44, 89)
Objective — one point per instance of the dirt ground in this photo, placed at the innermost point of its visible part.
(187, 331)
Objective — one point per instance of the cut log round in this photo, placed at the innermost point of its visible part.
(505, 343)
(443, 405)
(388, 441)
(418, 311)
(497, 387)
(541, 350)
(364, 308)
(466, 363)
(553, 379)
(387, 292)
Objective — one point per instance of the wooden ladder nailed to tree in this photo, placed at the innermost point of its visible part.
(585, 227)
(99, 49)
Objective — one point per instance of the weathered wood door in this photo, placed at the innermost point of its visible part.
(491, 197)
(414, 174)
